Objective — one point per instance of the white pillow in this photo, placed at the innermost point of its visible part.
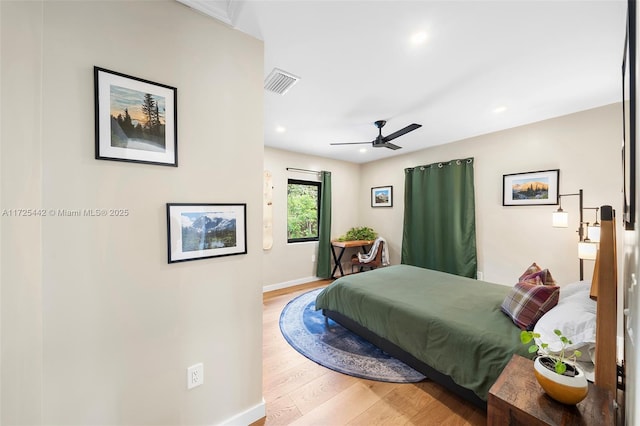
(578, 293)
(574, 316)
(569, 290)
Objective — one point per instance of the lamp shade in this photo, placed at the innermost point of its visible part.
(560, 219)
(587, 250)
(593, 232)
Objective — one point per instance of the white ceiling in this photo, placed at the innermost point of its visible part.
(538, 59)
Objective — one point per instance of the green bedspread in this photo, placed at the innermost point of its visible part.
(453, 324)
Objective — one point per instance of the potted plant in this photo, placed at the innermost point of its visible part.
(363, 233)
(556, 371)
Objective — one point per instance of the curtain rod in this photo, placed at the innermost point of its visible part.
(303, 170)
(442, 164)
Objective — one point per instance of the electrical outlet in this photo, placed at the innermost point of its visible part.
(313, 257)
(195, 376)
(480, 276)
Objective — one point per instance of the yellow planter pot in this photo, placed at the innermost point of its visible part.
(564, 389)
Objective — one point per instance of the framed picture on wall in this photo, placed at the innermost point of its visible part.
(135, 119)
(382, 196)
(201, 231)
(629, 71)
(531, 188)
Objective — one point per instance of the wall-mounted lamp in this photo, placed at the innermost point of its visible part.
(587, 250)
(560, 218)
(588, 236)
(593, 231)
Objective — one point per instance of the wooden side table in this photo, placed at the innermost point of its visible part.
(516, 398)
(337, 259)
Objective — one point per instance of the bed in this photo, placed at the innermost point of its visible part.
(451, 328)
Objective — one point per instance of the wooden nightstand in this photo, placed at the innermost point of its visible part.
(516, 398)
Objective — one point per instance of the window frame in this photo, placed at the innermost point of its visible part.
(318, 185)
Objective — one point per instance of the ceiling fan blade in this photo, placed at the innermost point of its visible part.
(409, 128)
(349, 143)
(390, 146)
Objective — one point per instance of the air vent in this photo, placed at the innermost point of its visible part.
(279, 81)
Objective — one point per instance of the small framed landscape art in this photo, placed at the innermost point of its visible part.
(531, 188)
(135, 119)
(382, 196)
(200, 231)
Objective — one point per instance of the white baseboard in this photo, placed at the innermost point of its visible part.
(286, 284)
(247, 417)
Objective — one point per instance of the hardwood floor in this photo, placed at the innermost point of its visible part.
(298, 391)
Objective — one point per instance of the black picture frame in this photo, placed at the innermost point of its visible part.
(205, 230)
(527, 189)
(136, 120)
(628, 117)
(382, 196)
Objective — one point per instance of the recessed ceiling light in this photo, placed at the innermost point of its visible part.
(281, 129)
(419, 37)
(500, 109)
(363, 149)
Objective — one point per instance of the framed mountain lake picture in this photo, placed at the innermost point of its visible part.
(531, 188)
(201, 231)
(135, 119)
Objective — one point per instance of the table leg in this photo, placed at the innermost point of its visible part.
(337, 260)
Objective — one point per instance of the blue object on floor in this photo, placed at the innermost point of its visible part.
(333, 346)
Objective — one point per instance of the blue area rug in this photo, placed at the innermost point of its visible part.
(335, 347)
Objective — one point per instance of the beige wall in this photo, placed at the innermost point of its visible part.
(585, 147)
(21, 348)
(97, 328)
(288, 264)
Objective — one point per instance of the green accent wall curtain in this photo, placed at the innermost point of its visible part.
(324, 233)
(439, 218)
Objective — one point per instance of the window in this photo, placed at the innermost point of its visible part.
(303, 206)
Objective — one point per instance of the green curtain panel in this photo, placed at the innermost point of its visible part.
(439, 218)
(324, 233)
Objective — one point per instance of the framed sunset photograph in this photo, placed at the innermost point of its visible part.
(135, 119)
(531, 188)
(200, 231)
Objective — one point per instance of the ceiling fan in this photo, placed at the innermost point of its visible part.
(383, 141)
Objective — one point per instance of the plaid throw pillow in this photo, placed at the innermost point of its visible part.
(539, 278)
(526, 303)
(530, 270)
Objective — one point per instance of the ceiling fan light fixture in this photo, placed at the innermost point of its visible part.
(383, 141)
